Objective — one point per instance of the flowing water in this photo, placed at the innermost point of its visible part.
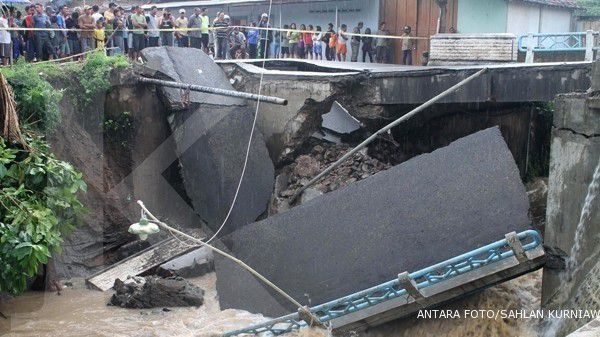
(81, 312)
(573, 264)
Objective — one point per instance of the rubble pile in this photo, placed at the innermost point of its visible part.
(297, 174)
(151, 292)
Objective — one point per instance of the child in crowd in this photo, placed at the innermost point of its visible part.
(99, 34)
(285, 43)
(253, 35)
(333, 38)
(308, 42)
(318, 44)
(367, 46)
(294, 38)
(342, 47)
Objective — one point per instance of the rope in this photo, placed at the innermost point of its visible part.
(239, 185)
(222, 253)
(397, 37)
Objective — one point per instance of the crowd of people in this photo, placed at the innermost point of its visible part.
(67, 32)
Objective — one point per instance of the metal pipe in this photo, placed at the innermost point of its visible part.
(386, 128)
(216, 91)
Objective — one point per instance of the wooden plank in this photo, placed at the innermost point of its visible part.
(440, 293)
(139, 263)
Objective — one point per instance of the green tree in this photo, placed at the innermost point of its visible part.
(589, 7)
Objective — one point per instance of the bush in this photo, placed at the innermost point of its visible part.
(38, 207)
(94, 74)
(37, 101)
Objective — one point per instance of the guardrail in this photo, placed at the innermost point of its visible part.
(510, 246)
(558, 42)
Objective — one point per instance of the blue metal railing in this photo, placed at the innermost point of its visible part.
(458, 265)
(556, 42)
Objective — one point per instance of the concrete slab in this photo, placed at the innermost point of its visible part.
(193, 66)
(424, 211)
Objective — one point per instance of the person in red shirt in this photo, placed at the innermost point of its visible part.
(307, 37)
(29, 39)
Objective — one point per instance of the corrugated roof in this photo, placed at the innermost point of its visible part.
(556, 3)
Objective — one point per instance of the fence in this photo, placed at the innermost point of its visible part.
(559, 42)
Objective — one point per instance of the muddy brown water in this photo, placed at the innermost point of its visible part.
(81, 312)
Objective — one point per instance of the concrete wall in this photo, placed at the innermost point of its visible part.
(523, 18)
(575, 152)
(476, 16)
(472, 49)
(555, 20)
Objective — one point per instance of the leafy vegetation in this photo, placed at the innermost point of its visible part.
(38, 206)
(590, 7)
(118, 128)
(38, 101)
(39, 202)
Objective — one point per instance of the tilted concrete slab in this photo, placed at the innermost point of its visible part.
(211, 136)
(424, 211)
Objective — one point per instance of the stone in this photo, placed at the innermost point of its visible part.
(309, 194)
(424, 211)
(152, 292)
(306, 166)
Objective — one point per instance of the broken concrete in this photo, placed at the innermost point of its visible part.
(193, 264)
(456, 198)
(152, 292)
(211, 134)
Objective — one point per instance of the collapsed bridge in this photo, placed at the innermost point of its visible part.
(344, 250)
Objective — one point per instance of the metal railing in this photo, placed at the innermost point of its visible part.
(558, 42)
(423, 278)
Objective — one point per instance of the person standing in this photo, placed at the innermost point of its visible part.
(166, 25)
(152, 27)
(253, 35)
(355, 43)
(86, 24)
(266, 36)
(72, 36)
(308, 43)
(318, 44)
(367, 46)
(326, 39)
(181, 34)
(63, 45)
(285, 43)
(118, 38)
(222, 32)
(333, 39)
(294, 38)
(407, 46)
(342, 44)
(5, 50)
(100, 35)
(138, 22)
(109, 14)
(43, 47)
(204, 26)
(96, 13)
(195, 32)
(29, 35)
(381, 44)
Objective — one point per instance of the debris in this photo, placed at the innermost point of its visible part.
(193, 264)
(339, 120)
(293, 176)
(151, 292)
(365, 233)
(139, 263)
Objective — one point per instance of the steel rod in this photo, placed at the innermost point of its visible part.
(216, 91)
(386, 128)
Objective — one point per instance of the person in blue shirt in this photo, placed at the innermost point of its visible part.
(253, 41)
(43, 46)
(63, 46)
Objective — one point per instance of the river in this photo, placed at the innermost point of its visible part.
(81, 312)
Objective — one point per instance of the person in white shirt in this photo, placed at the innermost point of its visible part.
(5, 47)
(318, 44)
(96, 15)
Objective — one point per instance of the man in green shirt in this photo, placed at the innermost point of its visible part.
(138, 21)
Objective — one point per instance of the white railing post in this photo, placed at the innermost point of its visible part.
(529, 55)
(589, 45)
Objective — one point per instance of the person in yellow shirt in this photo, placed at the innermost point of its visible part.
(99, 35)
